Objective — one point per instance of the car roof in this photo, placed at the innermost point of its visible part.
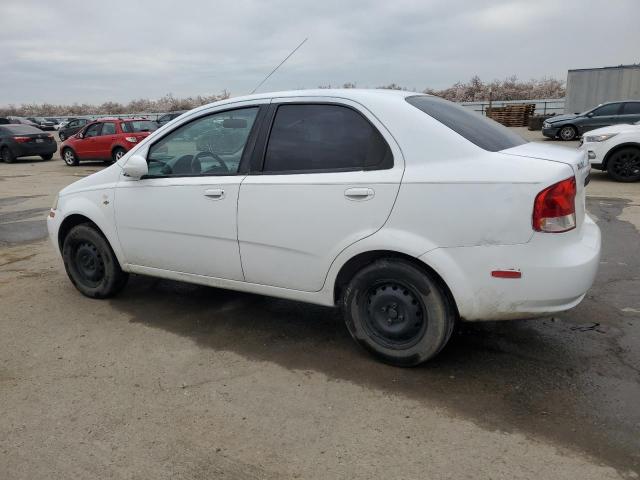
(360, 95)
(114, 119)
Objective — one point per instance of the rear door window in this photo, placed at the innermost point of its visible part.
(631, 108)
(479, 130)
(324, 138)
(606, 110)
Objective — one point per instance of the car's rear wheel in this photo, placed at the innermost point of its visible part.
(624, 165)
(91, 264)
(398, 312)
(69, 157)
(49, 156)
(568, 132)
(118, 153)
(7, 155)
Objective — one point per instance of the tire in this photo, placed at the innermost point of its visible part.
(7, 155)
(49, 156)
(70, 158)
(117, 153)
(567, 133)
(624, 165)
(91, 264)
(398, 312)
(61, 136)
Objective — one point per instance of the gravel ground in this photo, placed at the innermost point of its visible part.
(174, 381)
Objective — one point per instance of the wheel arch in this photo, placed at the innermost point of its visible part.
(73, 220)
(359, 261)
(617, 148)
(116, 147)
(81, 215)
(67, 147)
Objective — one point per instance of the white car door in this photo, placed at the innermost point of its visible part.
(330, 175)
(182, 217)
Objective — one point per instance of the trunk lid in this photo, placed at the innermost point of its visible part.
(574, 158)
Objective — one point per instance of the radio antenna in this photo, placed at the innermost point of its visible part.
(279, 65)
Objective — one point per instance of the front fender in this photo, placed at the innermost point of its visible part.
(97, 206)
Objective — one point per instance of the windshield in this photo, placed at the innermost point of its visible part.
(139, 126)
(479, 130)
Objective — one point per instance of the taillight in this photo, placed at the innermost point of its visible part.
(22, 139)
(554, 209)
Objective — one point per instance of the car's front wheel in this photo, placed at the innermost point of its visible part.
(568, 133)
(398, 312)
(624, 165)
(91, 264)
(70, 157)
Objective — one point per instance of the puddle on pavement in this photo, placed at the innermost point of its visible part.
(573, 379)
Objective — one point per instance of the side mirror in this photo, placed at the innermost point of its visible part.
(590, 114)
(80, 135)
(135, 167)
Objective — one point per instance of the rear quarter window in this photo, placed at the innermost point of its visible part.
(483, 132)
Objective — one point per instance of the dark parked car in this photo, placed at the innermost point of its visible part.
(23, 121)
(167, 117)
(73, 126)
(570, 127)
(4, 121)
(42, 123)
(25, 141)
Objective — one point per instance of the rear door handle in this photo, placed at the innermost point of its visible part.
(359, 193)
(214, 193)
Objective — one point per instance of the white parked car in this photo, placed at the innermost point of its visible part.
(408, 211)
(615, 150)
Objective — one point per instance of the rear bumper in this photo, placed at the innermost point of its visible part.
(557, 270)
(24, 150)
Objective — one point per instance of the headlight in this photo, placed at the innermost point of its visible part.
(546, 125)
(599, 138)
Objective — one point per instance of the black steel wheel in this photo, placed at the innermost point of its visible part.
(61, 136)
(394, 314)
(398, 311)
(91, 264)
(568, 132)
(624, 165)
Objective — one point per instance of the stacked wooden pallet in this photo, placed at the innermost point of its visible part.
(515, 115)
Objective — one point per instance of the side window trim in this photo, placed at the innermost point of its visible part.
(243, 168)
(261, 151)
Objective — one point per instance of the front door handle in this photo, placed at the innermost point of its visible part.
(359, 193)
(214, 193)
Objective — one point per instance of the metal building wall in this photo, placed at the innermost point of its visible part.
(587, 88)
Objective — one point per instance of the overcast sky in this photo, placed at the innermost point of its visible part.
(92, 51)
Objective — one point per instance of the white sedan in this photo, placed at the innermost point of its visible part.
(407, 211)
(615, 150)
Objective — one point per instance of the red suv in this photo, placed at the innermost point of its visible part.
(105, 139)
